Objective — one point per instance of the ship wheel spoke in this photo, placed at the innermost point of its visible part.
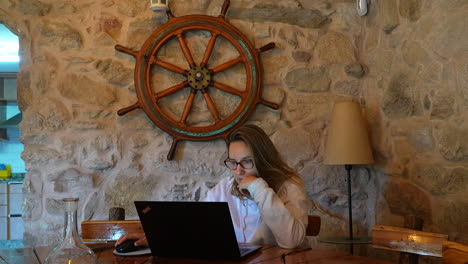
(211, 105)
(224, 8)
(209, 48)
(228, 89)
(170, 90)
(185, 49)
(188, 106)
(227, 64)
(169, 66)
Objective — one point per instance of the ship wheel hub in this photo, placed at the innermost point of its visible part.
(199, 77)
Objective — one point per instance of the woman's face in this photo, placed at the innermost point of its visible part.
(239, 152)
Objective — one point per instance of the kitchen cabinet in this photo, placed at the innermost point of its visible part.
(10, 115)
(11, 199)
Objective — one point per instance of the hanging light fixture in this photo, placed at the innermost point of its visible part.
(362, 7)
(159, 5)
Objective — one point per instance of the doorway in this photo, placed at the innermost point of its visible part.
(12, 167)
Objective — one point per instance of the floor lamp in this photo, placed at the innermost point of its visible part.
(348, 144)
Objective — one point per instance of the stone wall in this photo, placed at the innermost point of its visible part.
(406, 62)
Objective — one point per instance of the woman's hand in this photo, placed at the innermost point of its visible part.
(141, 239)
(246, 180)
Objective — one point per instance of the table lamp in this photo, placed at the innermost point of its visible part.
(348, 144)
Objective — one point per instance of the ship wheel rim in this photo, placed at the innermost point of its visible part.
(215, 25)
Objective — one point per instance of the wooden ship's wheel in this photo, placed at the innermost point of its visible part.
(198, 77)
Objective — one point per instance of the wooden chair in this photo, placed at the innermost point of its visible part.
(108, 230)
(313, 225)
(454, 253)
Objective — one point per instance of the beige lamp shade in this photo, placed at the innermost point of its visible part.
(348, 139)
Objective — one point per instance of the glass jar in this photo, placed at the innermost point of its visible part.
(71, 250)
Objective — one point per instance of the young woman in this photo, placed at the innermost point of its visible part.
(266, 197)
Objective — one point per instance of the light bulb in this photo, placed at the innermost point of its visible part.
(159, 5)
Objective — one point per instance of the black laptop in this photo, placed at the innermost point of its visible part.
(191, 230)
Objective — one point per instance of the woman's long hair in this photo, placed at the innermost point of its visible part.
(267, 160)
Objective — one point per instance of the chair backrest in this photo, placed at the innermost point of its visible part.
(454, 253)
(109, 230)
(313, 226)
(408, 240)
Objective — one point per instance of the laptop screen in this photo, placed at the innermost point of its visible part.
(189, 229)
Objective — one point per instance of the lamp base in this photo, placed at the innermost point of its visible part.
(346, 240)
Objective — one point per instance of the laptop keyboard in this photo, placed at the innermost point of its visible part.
(244, 249)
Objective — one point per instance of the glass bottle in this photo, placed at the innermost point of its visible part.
(71, 250)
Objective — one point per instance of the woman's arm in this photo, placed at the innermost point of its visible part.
(285, 214)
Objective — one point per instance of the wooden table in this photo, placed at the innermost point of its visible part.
(268, 255)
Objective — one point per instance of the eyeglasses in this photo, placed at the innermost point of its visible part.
(245, 164)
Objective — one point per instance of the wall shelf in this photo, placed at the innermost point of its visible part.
(9, 118)
(8, 75)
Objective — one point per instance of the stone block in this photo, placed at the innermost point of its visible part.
(451, 142)
(410, 9)
(355, 70)
(404, 198)
(35, 8)
(334, 47)
(308, 106)
(414, 54)
(399, 99)
(310, 18)
(114, 72)
(131, 8)
(80, 88)
(439, 180)
(310, 80)
(60, 35)
(301, 56)
(347, 88)
(442, 106)
(70, 180)
(297, 144)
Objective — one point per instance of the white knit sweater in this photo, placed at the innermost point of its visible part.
(269, 218)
